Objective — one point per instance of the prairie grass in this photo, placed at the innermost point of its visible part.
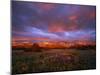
(53, 60)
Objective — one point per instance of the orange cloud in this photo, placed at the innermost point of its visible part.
(57, 27)
(46, 6)
(93, 15)
(73, 17)
(15, 39)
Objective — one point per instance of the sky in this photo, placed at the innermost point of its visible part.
(38, 21)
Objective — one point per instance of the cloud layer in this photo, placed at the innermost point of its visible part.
(53, 21)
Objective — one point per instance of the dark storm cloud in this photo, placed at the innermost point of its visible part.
(53, 21)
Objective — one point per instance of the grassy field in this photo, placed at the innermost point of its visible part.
(52, 60)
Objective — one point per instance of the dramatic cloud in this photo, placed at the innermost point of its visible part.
(49, 21)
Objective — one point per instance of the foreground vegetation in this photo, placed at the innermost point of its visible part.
(53, 60)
